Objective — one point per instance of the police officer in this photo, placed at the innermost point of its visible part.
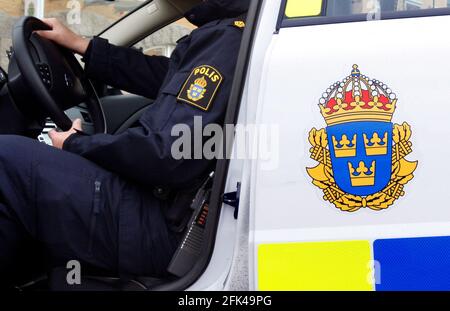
(91, 198)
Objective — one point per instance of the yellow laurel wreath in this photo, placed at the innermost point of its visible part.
(402, 173)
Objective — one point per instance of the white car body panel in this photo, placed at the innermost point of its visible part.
(410, 55)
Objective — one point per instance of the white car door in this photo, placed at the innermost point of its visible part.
(358, 201)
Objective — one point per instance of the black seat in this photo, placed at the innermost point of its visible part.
(57, 282)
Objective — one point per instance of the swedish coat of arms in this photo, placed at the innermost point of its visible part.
(361, 153)
(197, 90)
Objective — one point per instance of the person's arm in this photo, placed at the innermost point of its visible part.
(144, 153)
(123, 68)
(64, 36)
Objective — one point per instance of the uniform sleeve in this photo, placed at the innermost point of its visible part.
(144, 153)
(125, 68)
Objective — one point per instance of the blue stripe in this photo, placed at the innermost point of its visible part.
(413, 264)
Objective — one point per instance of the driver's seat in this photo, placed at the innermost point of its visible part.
(56, 281)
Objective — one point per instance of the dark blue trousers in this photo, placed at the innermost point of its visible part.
(76, 210)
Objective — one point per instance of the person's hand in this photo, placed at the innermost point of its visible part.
(64, 36)
(58, 138)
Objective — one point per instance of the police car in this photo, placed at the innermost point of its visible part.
(348, 100)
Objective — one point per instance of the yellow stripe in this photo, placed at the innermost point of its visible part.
(315, 266)
(303, 8)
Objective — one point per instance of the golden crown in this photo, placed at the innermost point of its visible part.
(344, 147)
(376, 145)
(357, 98)
(362, 175)
(201, 82)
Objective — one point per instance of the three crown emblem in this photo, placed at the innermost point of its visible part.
(345, 148)
(357, 98)
(198, 89)
(361, 153)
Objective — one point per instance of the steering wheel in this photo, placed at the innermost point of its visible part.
(53, 75)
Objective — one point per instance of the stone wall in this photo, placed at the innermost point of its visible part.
(11, 7)
(6, 23)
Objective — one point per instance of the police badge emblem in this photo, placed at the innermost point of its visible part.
(197, 89)
(201, 87)
(361, 153)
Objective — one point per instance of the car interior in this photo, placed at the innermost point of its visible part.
(45, 88)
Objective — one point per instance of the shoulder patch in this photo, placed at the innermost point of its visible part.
(239, 24)
(201, 87)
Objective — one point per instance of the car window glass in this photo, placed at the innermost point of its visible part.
(351, 7)
(164, 41)
(85, 17)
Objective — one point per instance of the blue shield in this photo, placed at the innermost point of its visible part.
(361, 156)
(196, 92)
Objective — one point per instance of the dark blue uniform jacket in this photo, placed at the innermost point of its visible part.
(143, 153)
